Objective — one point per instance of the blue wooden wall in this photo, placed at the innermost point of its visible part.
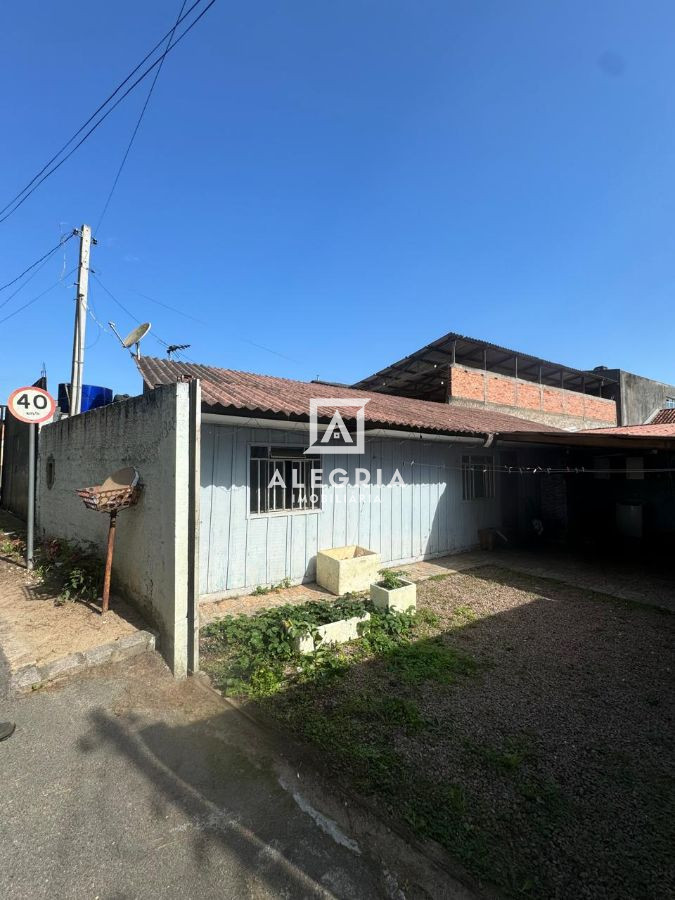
(427, 517)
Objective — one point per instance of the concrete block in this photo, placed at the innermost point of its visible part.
(96, 656)
(339, 632)
(343, 570)
(25, 678)
(400, 599)
(63, 666)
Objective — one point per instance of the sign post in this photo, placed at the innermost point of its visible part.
(31, 405)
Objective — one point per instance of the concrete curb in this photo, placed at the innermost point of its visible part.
(28, 678)
(438, 874)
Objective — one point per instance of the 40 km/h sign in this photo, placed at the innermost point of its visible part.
(31, 404)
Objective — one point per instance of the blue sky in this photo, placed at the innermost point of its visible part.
(342, 183)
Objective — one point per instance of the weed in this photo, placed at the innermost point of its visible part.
(428, 617)
(14, 547)
(74, 570)
(273, 589)
(430, 660)
(514, 752)
(393, 712)
(386, 630)
(464, 615)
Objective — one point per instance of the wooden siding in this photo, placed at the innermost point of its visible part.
(423, 518)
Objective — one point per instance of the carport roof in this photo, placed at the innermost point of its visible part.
(420, 371)
(228, 391)
(626, 437)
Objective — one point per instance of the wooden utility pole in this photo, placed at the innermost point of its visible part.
(77, 369)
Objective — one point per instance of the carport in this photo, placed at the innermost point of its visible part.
(602, 490)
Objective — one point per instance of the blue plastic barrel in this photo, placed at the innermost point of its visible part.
(93, 396)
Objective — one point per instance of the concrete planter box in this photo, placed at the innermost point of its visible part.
(344, 570)
(400, 599)
(339, 632)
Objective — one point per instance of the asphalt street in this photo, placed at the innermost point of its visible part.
(122, 783)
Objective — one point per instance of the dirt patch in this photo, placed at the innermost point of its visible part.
(527, 728)
(34, 631)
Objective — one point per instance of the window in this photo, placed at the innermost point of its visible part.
(669, 403)
(281, 480)
(478, 478)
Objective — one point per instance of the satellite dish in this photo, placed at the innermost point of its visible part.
(134, 337)
(137, 335)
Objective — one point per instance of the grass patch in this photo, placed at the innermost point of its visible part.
(463, 615)
(431, 660)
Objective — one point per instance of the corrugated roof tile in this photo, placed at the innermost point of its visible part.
(233, 390)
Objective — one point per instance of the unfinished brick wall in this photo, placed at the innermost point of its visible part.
(538, 403)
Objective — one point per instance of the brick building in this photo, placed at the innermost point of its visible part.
(466, 372)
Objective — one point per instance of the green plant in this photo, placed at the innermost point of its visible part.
(13, 547)
(428, 617)
(256, 654)
(386, 630)
(260, 590)
(464, 615)
(430, 660)
(391, 579)
(74, 570)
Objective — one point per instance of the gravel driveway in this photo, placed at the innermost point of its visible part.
(539, 754)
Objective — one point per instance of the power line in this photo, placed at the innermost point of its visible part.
(95, 113)
(37, 262)
(35, 299)
(168, 306)
(138, 123)
(128, 311)
(27, 281)
(38, 179)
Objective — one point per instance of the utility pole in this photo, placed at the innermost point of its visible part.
(77, 369)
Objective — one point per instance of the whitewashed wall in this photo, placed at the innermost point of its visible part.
(150, 566)
(425, 518)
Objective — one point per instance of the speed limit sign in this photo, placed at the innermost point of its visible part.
(31, 404)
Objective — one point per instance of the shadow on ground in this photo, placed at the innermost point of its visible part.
(528, 733)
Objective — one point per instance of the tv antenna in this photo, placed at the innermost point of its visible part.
(175, 348)
(133, 338)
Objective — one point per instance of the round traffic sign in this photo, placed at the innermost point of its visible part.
(31, 404)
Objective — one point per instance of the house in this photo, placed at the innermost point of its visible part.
(246, 477)
(465, 371)
(637, 398)
(253, 426)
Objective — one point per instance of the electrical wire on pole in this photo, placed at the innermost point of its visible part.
(13, 205)
(37, 262)
(138, 123)
(36, 298)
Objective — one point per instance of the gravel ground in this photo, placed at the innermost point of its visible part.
(566, 737)
(546, 770)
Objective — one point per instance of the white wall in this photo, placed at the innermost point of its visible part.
(427, 517)
(150, 566)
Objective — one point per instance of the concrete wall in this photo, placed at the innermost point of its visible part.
(528, 400)
(639, 397)
(427, 517)
(150, 567)
(15, 467)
